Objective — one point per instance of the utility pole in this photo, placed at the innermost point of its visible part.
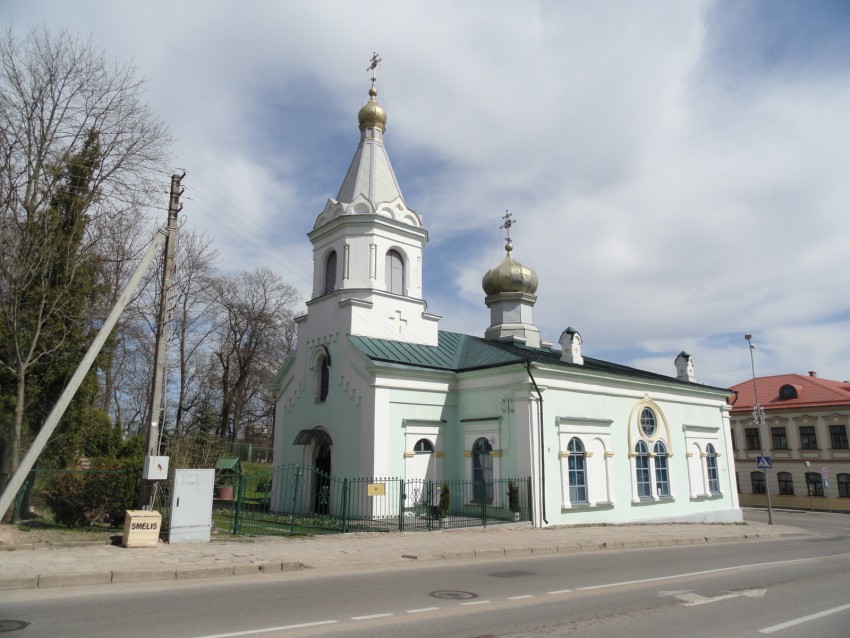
(156, 414)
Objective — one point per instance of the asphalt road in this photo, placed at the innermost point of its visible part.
(784, 588)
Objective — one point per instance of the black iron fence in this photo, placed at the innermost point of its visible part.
(296, 499)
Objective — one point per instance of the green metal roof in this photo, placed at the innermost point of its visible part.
(227, 463)
(457, 352)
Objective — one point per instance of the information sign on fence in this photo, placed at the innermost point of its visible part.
(376, 489)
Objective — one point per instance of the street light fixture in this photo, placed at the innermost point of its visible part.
(758, 418)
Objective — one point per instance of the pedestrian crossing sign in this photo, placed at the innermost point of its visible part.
(763, 462)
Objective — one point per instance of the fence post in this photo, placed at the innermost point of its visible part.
(237, 517)
(346, 493)
(529, 513)
(401, 500)
(484, 499)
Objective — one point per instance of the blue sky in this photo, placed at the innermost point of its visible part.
(678, 169)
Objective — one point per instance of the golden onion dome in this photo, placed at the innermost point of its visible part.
(510, 276)
(372, 115)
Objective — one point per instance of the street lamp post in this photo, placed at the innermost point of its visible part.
(758, 417)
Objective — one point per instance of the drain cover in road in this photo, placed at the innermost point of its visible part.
(453, 595)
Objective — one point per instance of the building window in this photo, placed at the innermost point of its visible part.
(711, 469)
(757, 479)
(843, 485)
(786, 483)
(838, 434)
(482, 471)
(753, 439)
(577, 472)
(662, 478)
(423, 446)
(330, 273)
(738, 482)
(642, 478)
(808, 438)
(814, 483)
(787, 392)
(780, 438)
(648, 423)
(394, 273)
(322, 376)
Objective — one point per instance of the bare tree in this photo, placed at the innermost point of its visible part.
(254, 318)
(76, 142)
(191, 320)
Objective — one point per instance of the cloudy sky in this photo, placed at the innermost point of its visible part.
(679, 170)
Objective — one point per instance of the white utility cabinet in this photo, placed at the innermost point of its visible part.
(191, 506)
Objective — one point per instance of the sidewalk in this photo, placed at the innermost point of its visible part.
(23, 567)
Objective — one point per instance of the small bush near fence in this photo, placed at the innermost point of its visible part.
(84, 498)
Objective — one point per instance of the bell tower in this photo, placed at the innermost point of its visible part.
(367, 246)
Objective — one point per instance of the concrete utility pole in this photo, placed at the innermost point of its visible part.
(156, 413)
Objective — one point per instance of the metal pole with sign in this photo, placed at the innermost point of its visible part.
(824, 472)
(758, 417)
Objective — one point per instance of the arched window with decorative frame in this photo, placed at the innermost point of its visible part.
(482, 471)
(642, 476)
(321, 374)
(330, 273)
(662, 474)
(711, 469)
(577, 472)
(394, 272)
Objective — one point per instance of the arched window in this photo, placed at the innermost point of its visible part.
(394, 273)
(644, 483)
(648, 422)
(576, 472)
(711, 469)
(330, 273)
(843, 485)
(787, 392)
(423, 446)
(814, 482)
(757, 479)
(786, 483)
(662, 477)
(322, 375)
(482, 471)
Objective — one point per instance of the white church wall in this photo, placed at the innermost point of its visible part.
(603, 417)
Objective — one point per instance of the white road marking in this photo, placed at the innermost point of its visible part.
(520, 597)
(370, 616)
(252, 632)
(476, 602)
(419, 611)
(798, 621)
(559, 591)
(711, 571)
(692, 600)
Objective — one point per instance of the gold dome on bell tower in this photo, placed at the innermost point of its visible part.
(510, 275)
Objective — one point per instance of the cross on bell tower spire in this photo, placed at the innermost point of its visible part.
(373, 64)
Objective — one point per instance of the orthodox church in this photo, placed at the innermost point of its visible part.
(375, 389)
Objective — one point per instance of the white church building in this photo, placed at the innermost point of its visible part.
(375, 389)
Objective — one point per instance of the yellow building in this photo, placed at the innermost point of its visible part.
(804, 435)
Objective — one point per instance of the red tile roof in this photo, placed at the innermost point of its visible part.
(811, 392)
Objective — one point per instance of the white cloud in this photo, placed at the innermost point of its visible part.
(674, 185)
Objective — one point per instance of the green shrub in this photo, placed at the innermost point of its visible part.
(99, 496)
